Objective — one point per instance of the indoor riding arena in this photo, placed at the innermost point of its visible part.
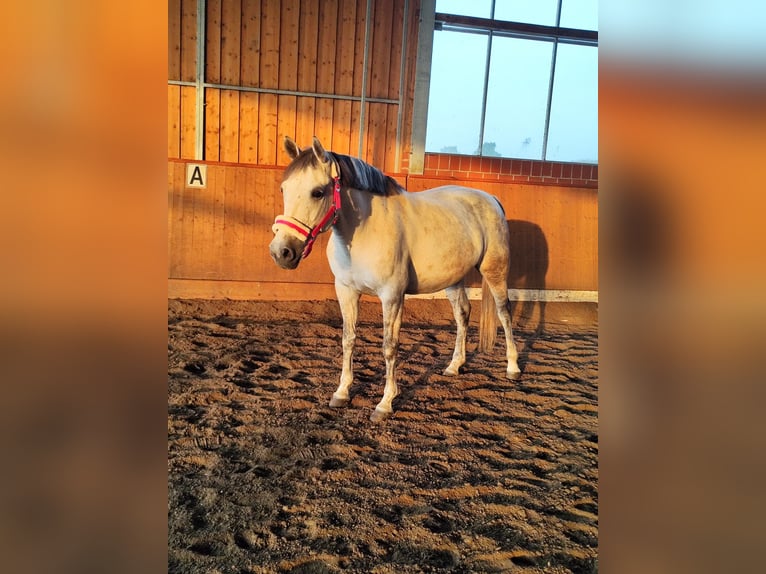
(471, 473)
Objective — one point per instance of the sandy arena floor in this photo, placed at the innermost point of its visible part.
(472, 473)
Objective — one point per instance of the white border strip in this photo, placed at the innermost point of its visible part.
(546, 295)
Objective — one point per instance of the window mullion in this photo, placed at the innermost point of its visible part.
(484, 93)
(550, 99)
(550, 84)
(486, 82)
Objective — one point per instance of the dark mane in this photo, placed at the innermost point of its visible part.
(353, 173)
(361, 175)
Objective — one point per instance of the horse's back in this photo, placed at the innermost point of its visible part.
(467, 209)
(449, 197)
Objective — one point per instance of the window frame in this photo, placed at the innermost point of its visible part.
(431, 21)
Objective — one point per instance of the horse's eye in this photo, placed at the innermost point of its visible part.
(317, 193)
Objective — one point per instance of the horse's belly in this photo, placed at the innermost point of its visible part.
(437, 274)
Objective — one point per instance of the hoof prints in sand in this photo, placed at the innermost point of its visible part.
(472, 473)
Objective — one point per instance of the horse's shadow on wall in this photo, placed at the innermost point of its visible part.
(528, 269)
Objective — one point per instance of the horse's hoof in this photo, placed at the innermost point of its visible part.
(513, 375)
(448, 372)
(339, 403)
(379, 416)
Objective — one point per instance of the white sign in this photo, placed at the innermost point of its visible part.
(196, 175)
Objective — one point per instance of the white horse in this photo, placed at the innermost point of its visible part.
(388, 242)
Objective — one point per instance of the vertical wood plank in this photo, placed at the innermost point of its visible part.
(345, 45)
(380, 53)
(323, 120)
(229, 131)
(269, 206)
(188, 40)
(344, 76)
(174, 39)
(269, 62)
(376, 144)
(286, 125)
(233, 212)
(396, 46)
(357, 129)
(188, 122)
(308, 38)
(389, 163)
(395, 72)
(203, 244)
(323, 127)
(380, 69)
(198, 197)
(218, 196)
(308, 34)
(341, 121)
(187, 259)
(248, 127)
(213, 42)
(212, 144)
(288, 75)
(269, 74)
(250, 246)
(288, 46)
(251, 43)
(212, 124)
(250, 74)
(267, 129)
(409, 85)
(304, 127)
(174, 121)
(176, 255)
(240, 219)
(231, 15)
(359, 38)
(171, 216)
(395, 85)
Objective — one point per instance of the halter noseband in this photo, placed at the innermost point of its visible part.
(329, 219)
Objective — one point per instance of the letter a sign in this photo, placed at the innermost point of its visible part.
(196, 175)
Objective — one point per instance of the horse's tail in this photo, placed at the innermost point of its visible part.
(488, 319)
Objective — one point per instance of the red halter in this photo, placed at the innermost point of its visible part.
(311, 233)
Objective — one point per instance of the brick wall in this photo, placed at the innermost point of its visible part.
(464, 167)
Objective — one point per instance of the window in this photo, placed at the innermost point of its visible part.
(515, 78)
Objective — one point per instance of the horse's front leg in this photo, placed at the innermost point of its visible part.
(349, 308)
(392, 321)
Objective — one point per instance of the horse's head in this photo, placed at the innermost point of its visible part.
(310, 202)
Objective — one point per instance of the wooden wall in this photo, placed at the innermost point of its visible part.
(307, 58)
(307, 46)
(218, 237)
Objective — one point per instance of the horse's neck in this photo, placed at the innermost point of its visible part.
(356, 207)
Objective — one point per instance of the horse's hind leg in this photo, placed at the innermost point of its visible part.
(497, 282)
(348, 299)
(461, 308)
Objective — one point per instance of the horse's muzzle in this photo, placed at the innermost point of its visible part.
(286, 251)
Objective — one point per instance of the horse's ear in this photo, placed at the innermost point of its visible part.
(319, 151)
(291, 147)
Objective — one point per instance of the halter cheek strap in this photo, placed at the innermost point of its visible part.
(311, 233)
